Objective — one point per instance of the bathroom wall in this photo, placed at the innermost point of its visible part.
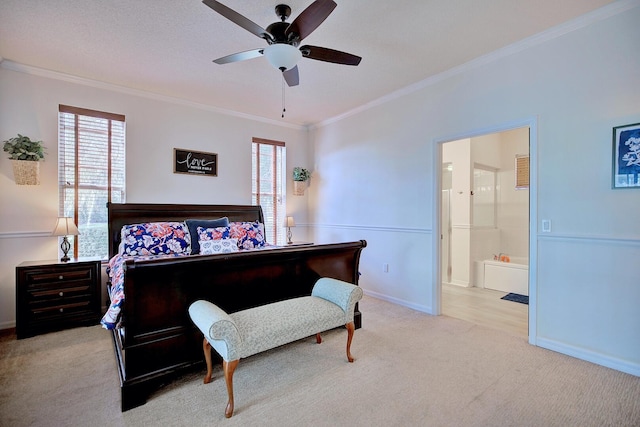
(472, 243)
(458, 154)
(513, 204)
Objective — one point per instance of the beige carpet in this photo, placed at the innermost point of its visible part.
(411, 369)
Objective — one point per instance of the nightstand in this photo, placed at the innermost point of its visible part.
(53, 295)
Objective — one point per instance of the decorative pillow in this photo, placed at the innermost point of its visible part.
(249, 234)
(193, 225)
(216, 233)
(154, 238)
(222, 246)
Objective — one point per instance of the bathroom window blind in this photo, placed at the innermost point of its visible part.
(522, 171)
(91, 172)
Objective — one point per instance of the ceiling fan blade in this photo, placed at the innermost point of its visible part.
(310, 18)
(240, 56)
(291, 76)
(238, 19)
(329, 55)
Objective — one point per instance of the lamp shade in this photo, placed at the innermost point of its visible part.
(282, 56)
(289, 222)
(65, 227)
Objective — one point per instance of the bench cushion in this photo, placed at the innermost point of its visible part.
(272, 325)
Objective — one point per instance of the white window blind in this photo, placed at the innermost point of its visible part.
(91, 172)
(268, 186)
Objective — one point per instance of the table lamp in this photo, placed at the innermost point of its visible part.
(65, 227)
(289, 222)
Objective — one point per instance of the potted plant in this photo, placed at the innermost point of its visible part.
(300, 178)
(25, 155)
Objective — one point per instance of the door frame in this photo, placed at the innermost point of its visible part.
(436, 290)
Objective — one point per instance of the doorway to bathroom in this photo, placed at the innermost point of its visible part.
(484, 218)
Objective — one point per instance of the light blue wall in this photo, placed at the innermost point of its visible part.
(380, 166)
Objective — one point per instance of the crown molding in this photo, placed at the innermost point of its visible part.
(612, 9)
(55, 75)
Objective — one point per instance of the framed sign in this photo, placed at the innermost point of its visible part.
(626, 156)
(195, 162)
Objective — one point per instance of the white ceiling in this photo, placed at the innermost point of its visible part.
(167, 46)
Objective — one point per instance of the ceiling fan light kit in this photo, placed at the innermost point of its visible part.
(282, 56)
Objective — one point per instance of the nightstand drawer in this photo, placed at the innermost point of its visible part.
(58, 278)
(60, 291)
(58, 309)
(59, 294)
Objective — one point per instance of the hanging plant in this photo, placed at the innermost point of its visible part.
(301, 174)
(23, 148)
(25, 156)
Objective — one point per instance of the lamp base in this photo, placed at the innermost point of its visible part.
(289, 236)
(65, 246)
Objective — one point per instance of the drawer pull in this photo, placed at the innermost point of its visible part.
(61, 294)
(61, 277)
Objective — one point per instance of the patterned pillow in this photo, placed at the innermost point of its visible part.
(154, 238)
(222, 246)
(249, 234)
(193, 225)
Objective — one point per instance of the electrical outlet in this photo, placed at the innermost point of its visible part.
(546, 226)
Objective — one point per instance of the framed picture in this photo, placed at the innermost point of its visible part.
(626, 156)
(195, 162)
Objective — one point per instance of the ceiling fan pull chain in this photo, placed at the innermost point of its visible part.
(283, 108)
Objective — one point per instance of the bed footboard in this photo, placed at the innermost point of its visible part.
(159, 341)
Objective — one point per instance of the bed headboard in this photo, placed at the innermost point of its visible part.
(120, 214)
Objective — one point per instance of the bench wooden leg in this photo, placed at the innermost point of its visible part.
(350, 328)
(206, 347)
(229, 368)
(318, 339)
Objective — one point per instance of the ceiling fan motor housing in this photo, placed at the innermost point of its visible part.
(277, 31)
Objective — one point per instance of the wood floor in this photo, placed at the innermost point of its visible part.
(484, 307)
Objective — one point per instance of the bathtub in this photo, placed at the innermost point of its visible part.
(507, 276)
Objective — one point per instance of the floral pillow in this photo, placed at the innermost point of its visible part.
(250, 235)
(222, 246)
(155, 238)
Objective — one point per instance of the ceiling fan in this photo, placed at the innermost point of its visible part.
(284, 38)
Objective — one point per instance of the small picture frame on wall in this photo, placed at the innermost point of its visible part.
(195, 162)
(626, 156)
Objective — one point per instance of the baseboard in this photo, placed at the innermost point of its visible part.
(408, 304)
(7, 325)
(590, 356)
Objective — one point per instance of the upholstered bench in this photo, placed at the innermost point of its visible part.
(248, 332)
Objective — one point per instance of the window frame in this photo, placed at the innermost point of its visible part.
(277, 186)
(76, 142)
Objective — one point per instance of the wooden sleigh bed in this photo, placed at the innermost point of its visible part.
(154, 339)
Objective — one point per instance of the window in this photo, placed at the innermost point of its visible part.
(268, 186)
(91, 172)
